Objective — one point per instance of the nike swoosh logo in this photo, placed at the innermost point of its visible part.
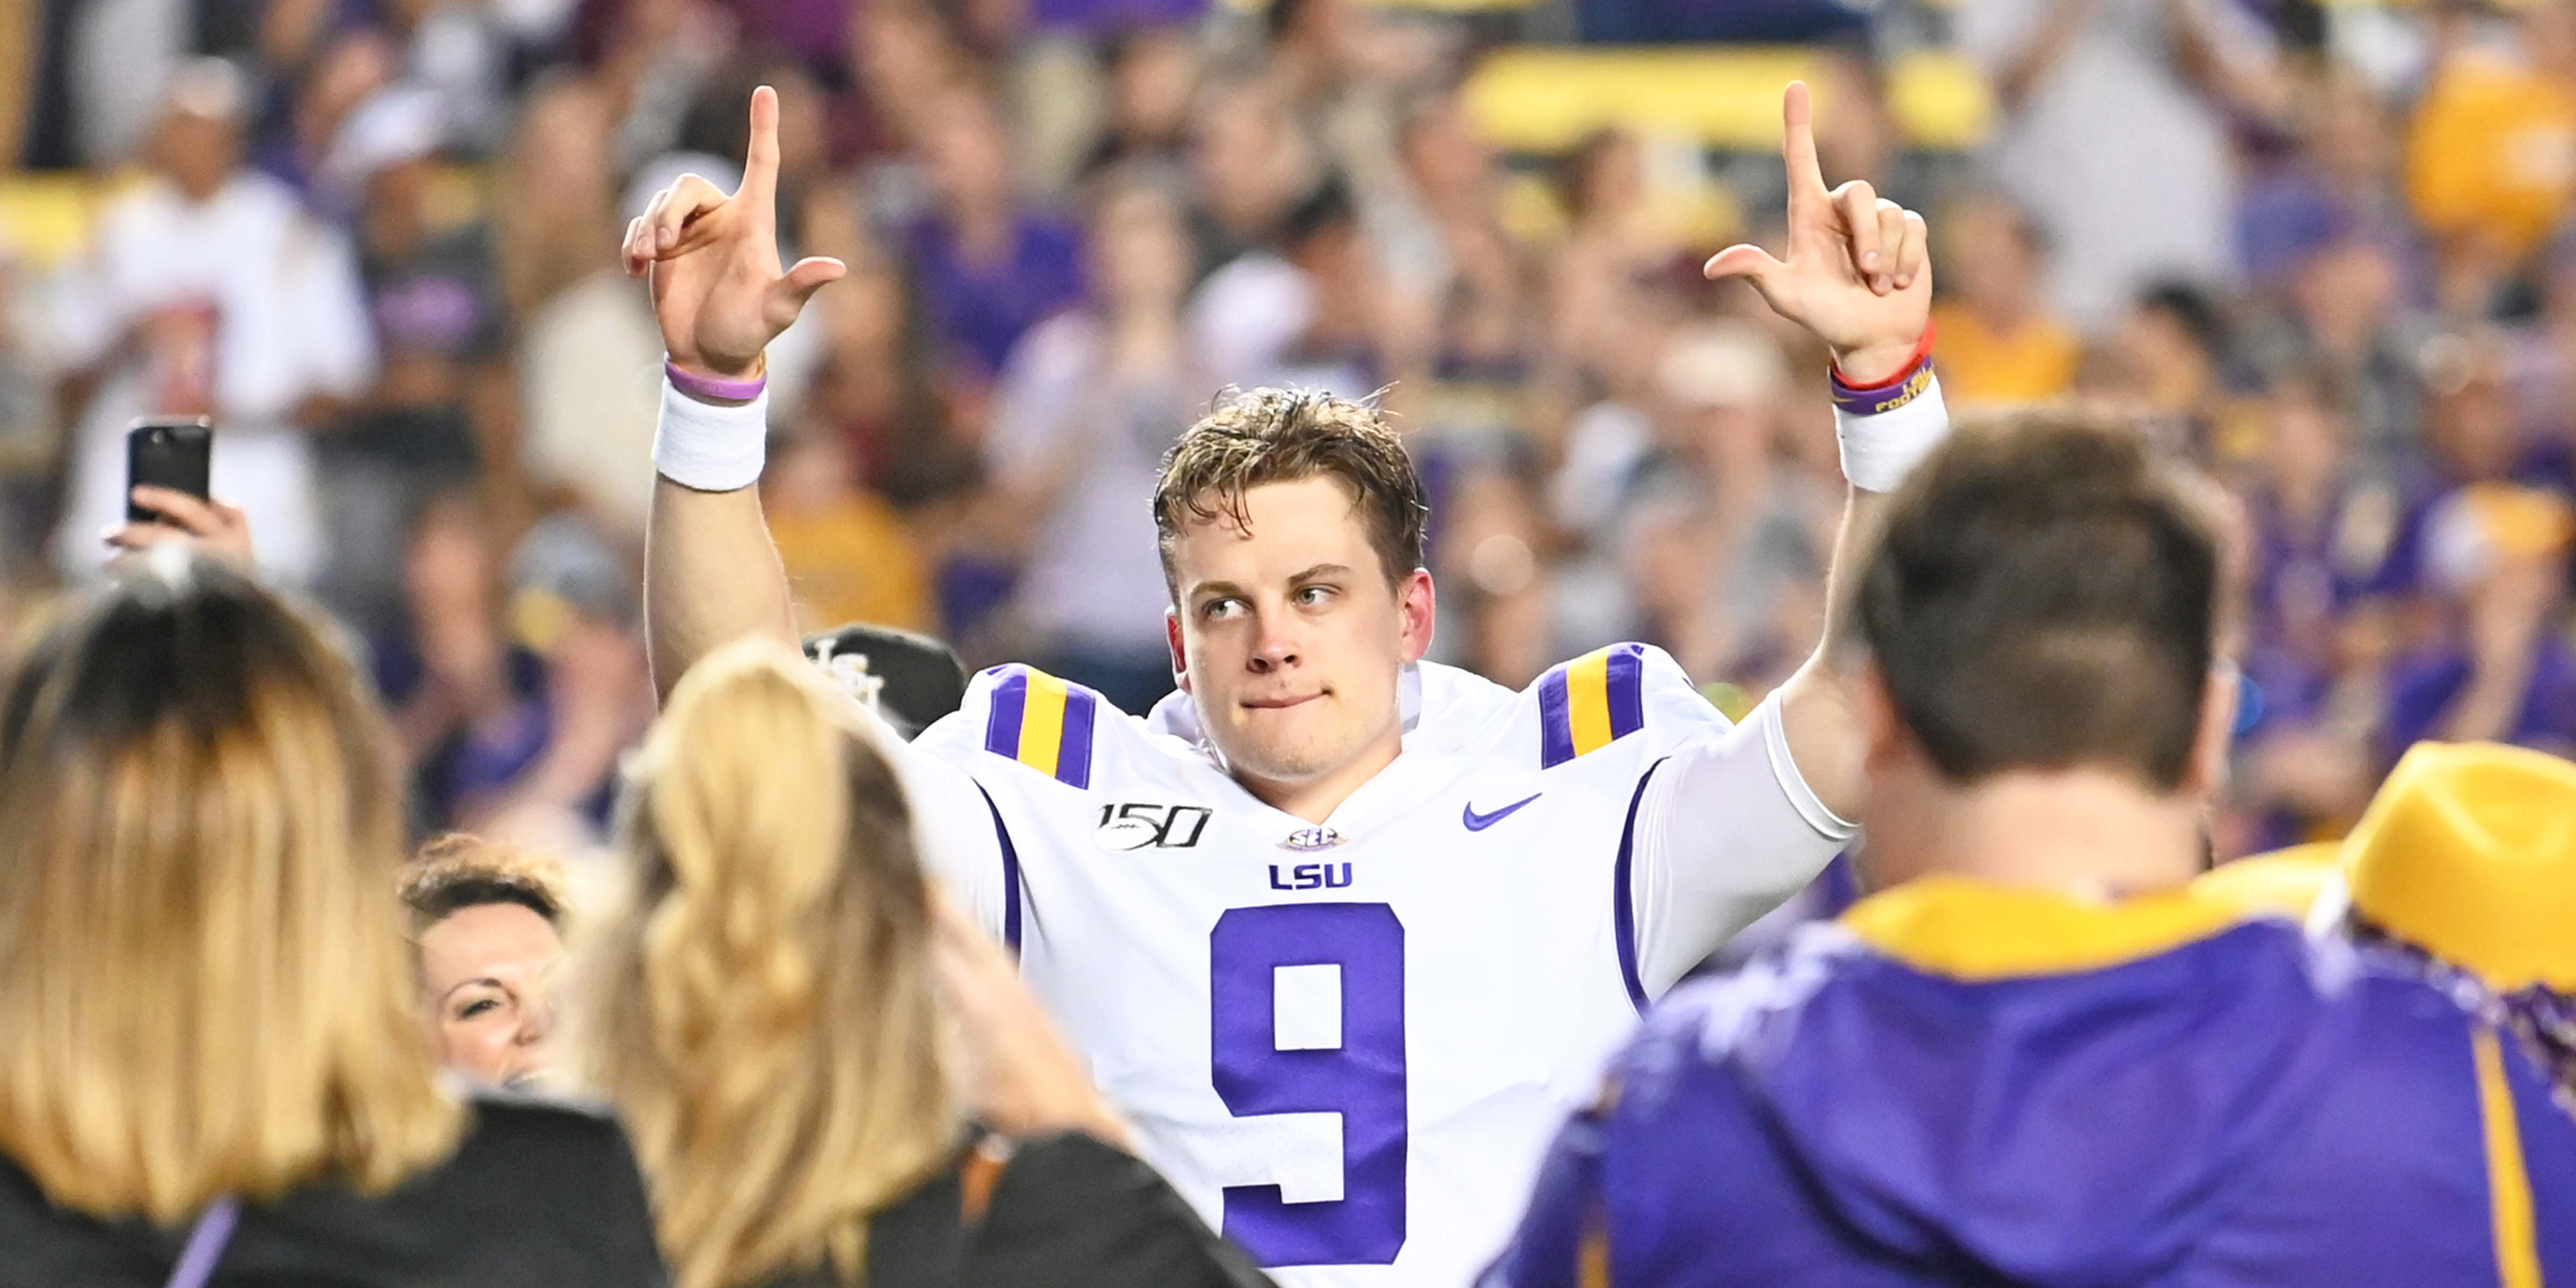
(1479, 822)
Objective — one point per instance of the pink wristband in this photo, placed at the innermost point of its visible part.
(715, 388)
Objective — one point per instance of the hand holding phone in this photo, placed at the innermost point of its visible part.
(174, 452)
(167, 469)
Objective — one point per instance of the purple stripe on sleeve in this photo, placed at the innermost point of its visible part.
(1555, 722)
(1010, 706)
(1627, 690)
(1623, 898)
(1073, 750)
(1010, 876)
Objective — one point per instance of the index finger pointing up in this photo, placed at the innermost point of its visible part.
(1807, 197)
(760, 160)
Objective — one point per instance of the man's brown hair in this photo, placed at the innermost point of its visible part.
(1282, 436)
(2047, 593)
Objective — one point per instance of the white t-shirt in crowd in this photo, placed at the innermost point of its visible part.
(1246, 319)
(290, 323)
(1093, 443)
(2119, 157)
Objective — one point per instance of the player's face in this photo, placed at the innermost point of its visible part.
(1292, 640)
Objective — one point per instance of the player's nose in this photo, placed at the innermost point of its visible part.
(1277, 645)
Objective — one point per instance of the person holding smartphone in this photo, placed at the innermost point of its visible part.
(211, 293)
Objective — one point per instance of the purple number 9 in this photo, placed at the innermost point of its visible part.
(1362, 1079)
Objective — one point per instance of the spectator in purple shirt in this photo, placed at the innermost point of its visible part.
(988, 268)
(2496, 562)
(2320, 533)
(2486, 559)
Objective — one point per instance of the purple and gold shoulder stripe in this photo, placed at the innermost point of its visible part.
(1043, 723)
(1591, 702)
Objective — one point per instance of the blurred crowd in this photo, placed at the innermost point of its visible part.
(2329, 249)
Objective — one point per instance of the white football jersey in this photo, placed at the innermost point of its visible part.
(1347, 1044)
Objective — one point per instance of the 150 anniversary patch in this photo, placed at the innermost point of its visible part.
(1127, 828)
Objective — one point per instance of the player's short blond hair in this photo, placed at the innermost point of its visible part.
(1282, 436)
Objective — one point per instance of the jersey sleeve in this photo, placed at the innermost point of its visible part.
(1017, 727)
(1726, 829)
(950, 824)
(1722, 828)
(1604, 699)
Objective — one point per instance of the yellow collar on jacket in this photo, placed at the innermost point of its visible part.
(1978, 930)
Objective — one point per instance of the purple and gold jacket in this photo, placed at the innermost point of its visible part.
(1964, 1084)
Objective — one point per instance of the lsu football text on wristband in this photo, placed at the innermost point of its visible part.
(1887, 428)
(1887, 394)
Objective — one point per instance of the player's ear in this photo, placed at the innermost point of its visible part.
(1180, 654)
(1882, 731)
(1419, 605)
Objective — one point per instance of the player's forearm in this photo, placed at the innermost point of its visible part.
(1819, 711)
(1885, 431)
(1863, 513)
(711, 576)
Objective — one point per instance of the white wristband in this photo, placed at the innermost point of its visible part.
(1880, 450)
(712, 447)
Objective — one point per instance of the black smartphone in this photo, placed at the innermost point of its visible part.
(176, 452)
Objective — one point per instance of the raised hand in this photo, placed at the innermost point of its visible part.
(713, 260)
(217, 528)
(1859, 274)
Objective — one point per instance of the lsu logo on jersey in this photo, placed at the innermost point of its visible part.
(1043, 723)
(1591, 702)
(1310, 876)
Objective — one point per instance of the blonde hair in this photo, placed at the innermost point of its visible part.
(458, 870)
(205, 988)
(762, 1011)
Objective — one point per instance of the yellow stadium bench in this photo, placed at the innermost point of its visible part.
(44, 219)
(1545, 99)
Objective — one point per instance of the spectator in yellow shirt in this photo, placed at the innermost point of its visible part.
(850, 556)
(2000, 342)
(2491, 155)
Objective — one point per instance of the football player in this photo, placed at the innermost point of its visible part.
(1343, 932)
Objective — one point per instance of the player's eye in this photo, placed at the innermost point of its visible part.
(1314, 596)
(478, 1007)
(1216, 609)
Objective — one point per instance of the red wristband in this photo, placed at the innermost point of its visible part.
(1922, 354)
(717, 388)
